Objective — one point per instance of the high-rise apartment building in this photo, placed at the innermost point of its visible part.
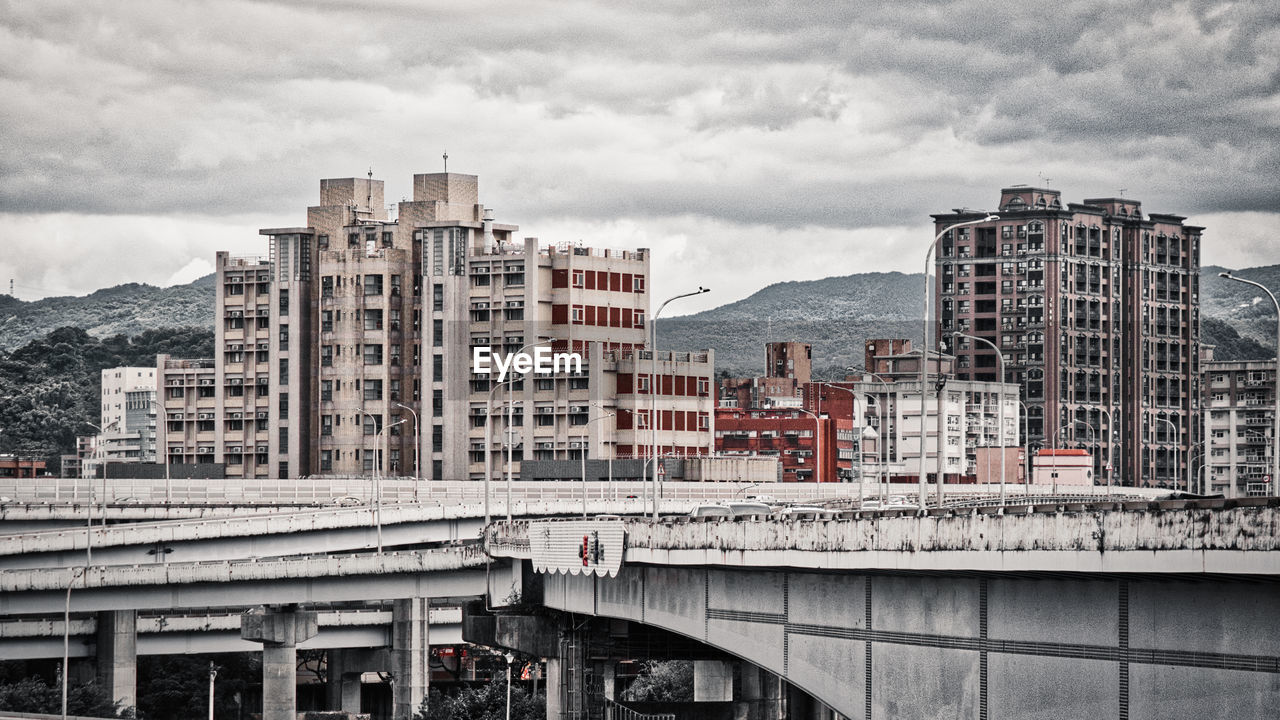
(1239, 428)
(1095, 307)
(352, 345)
(127, 420)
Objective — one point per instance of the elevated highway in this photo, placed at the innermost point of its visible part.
(1169, 610)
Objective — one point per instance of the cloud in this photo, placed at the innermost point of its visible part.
(765, 120)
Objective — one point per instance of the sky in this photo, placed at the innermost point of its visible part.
(745, 142)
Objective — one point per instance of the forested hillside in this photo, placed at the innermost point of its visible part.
(49, 387)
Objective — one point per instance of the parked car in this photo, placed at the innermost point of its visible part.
(711, 511)
(750, 509)
(347, 501)
(804, 511)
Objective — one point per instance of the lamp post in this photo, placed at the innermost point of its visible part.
(377, 480)
(586, 435)
(509, 658)
(488, 441)
(76, 573)
(653, 389)
(1176, 441)
(1111, 432)
(543, 340)
(213, 674)
(817, 440)
(417, 440)
(1275, 391)
(373, 461)
(924, 365)
(1000, 396)
(884, 422)
(852, 420)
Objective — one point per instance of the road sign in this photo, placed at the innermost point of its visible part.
(662, 470)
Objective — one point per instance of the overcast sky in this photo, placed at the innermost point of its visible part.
(745, 142)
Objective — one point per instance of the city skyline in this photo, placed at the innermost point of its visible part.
(143, 141)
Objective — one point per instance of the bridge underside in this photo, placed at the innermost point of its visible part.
(894, 645)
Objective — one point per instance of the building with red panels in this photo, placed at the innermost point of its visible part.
(12, 466)
(802, 443)
(685, 405)
(1094, 307)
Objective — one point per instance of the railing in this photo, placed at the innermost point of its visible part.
(617, 711)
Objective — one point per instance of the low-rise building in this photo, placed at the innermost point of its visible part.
(810, 448)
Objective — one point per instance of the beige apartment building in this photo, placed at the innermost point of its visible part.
(1239, 428)
(351, 345)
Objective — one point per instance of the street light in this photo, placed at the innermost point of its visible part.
(1176, 441)
(653, 389)
(543, 340)
(924, 366)
(213, 673)
(853, 419)
(1275, 419)
(488, 441)
(884, 423)
(417, 440)
(66, 634)
(817, 453)
(1111, 458)
(1000, 396)
(377, 508)
(509, 658)
(586, 435)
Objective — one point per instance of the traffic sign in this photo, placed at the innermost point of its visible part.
(662, 470)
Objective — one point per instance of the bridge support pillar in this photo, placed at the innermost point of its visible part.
(279, 631)
(410, 655)
(118, 655)
(712, 681)
(760, 694)
(342, 687)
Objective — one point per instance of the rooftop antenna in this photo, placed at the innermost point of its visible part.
(368, 200)
(1123, 191)
(446, 161)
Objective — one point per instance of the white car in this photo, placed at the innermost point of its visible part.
(711, 511)
(347, 501)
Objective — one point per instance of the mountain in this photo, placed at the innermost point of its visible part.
(121, 310)
(837, 314)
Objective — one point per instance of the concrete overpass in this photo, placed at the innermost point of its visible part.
(1095, 611)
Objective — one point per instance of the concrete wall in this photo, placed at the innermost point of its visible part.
(886, 645)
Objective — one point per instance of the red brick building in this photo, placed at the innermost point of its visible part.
(1094, 307)
(800, 441)
(12, 466)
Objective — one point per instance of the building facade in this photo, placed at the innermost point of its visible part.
(1095, 308)
(809, 448)
(1239, 429)
(889, 399)
(351, 346)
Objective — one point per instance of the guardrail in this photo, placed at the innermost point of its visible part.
(328, 491)
(614, 710)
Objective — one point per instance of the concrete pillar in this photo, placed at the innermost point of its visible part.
(759, 695)
(279, 631)
(410, 656)
(712, 681)
(609, 679)
(118, 655)
(555, 689)
(342, 685)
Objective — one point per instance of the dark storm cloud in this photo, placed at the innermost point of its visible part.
(742, 114)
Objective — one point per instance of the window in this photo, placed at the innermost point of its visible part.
(373, 354)
(372, 284)
(326, 460)
(579, 279)
(637, 283)
(637, 318)
(284, 337)
(372, 319)
(372, 389)
(326, 425)
(326, 356)
(326, 390)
